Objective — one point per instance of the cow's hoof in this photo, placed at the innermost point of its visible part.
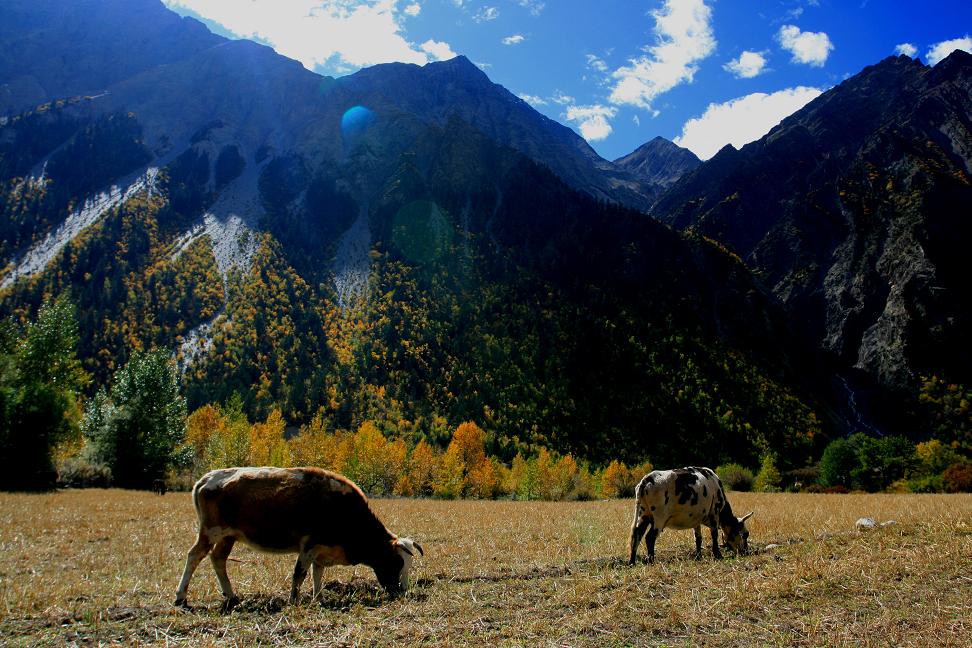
(181, 602)
(229, 604)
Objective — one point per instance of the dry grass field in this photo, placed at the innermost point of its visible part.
(101, 568)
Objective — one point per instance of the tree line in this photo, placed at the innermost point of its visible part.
(137, 429)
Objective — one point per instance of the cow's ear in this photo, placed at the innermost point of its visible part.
(746, 517)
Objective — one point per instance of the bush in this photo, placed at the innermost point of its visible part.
(768, 479)
(80, 472)
(926, 484)
(957, 478)
(736, 477)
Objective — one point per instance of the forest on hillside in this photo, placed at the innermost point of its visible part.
(137, 433)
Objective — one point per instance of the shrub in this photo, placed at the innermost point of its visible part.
(79, 472)
(768, 479)
(957, 478)
(618, 480)
(736, 477)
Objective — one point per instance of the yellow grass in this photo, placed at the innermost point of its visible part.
(101, 567)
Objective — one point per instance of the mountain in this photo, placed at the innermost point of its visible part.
(659, 162)
(854, 211)
(408, 245)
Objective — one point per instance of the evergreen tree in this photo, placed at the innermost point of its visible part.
(40, 377)
(137, 427)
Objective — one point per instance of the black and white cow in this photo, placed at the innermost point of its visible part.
(685, 498)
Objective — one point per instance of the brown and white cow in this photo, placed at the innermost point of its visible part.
(685, 498)
(320, 515)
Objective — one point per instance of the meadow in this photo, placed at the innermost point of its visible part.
(100, 567)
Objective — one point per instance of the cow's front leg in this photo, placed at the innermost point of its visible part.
(304, 560)
(715, 543)
(698, 542)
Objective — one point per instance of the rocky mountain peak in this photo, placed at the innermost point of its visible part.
(659, 161)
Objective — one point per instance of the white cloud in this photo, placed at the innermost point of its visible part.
(334, 33)
(486, 14)
(636, 120)
(748, 65)
(741, 120)
(683, 29)
(907, 49)
(437, 50)
(592, 120)
(413, 9)
(535, 7)
(561, 98)
(596, 63)
(533, 99)
(938, 51)
(811, 48)
(515, 39)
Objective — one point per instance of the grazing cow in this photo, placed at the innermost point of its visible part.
(159, 486)
(322, 516)
(685, 498)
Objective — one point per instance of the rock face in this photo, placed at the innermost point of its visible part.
(855, 212)
(659, 162)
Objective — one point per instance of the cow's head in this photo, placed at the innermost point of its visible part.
(737, 535)
(395, 574)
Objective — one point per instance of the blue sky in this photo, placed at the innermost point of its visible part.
(703, 73)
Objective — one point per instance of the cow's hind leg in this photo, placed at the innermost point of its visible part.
(196, 554)
(218, 557)
(304, 560)
(638, 529)
(715, 542)
(650, 542)
(318, 575)
(698, 542)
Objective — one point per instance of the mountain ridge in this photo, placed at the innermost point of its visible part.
(840, 209)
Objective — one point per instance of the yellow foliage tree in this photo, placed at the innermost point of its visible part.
(267, 444)
(482, 481)
(450, 475)
(617, 480)
(422, 468)
(373, 463)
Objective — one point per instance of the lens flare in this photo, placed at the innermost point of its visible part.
(355, 121)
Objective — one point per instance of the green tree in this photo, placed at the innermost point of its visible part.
(40, 378)
(882, 461)
(838, 462)
(137, 427)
